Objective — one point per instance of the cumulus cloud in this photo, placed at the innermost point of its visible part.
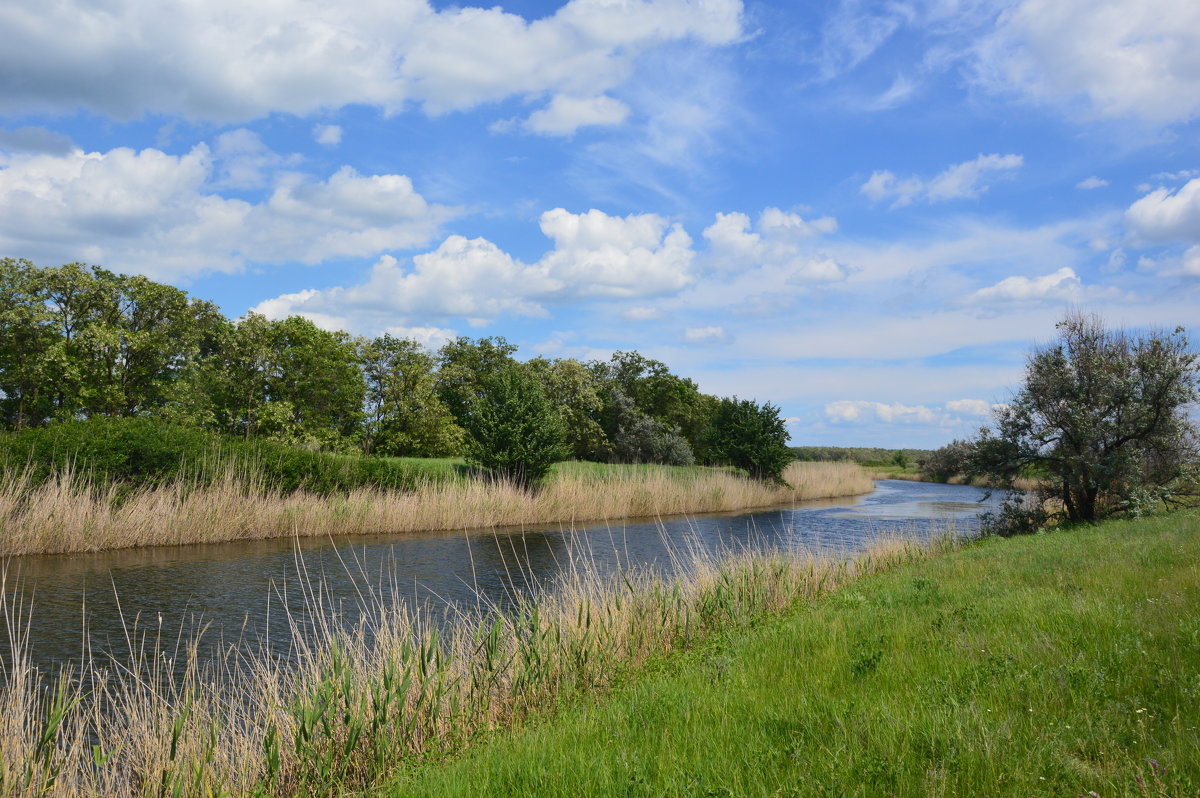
(1119, 58)
(963, 180)
(1089, 183)
(595, 256)
(778, 242)
(158, 214)
(1165, 215)
(1061, 286)
(228, 60)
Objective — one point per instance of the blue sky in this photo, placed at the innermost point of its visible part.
(866, 213)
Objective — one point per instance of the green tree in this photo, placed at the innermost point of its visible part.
(750, 436)
(515, 432)
(575, 391)
(673, 401)
(314, 377)
(30, 358)
(1103, 414)
(463, 368)
(404, 416)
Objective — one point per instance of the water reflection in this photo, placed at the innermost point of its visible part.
(241, 589)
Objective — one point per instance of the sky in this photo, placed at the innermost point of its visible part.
(864, 213)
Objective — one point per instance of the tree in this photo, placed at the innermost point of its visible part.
(1103, 414)
(575, 391)
(404, 416)
(750, 436)
(515, 432)
(638, 438)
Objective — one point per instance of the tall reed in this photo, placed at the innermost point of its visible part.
(353, 704)
(69, 513)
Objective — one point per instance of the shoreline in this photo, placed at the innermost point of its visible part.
(60, 518)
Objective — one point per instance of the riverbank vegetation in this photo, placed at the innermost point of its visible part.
(1102, 427)
(1059, 664)
(69, 513)
(351, 706)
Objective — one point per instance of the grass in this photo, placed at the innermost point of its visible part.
(66, 513)
(1063, 664)
(349, 707)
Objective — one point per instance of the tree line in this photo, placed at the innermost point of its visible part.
(79, 342)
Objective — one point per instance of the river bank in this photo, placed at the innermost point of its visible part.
(67, 514)
(1059, 664)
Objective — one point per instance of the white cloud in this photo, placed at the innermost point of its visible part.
(1089, 183)
(243, 161)
(642, 313)
(776, 243)
(229, 60)
(847, 411)
(429, 337)
(595, 256)
(1120, 58)
(1061, 286)
(159, 215)
(963, 180)
(954, 412)
(327, 135)
(564, 115)
(1165, 215)
(972, 407)
(711, 335)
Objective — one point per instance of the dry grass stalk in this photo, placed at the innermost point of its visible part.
(67, 514)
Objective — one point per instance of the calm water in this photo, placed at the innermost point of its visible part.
(239, 589)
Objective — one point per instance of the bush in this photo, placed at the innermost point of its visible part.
(515, 431)
(146, 452)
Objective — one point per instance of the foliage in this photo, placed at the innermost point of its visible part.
(1104, 414)
(143, 451)
(575, 391)
(638, 438)
(672, 401)
(868, 456)
(953, 459)
(515, 432)
(463, 368)
(750, 436)
(404, 415)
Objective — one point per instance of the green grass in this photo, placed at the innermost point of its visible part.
(1062, 664)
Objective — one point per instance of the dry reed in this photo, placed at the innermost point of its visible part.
(67, 514)
(358, 703)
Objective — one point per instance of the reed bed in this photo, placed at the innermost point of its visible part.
(72, 514)
(354, 705)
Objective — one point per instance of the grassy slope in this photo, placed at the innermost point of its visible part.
(1050, 665)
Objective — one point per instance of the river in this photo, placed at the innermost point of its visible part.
(92, 602)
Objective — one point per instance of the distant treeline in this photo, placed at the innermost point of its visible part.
(862, 455)
(80, 342)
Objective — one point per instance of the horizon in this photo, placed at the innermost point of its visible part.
(866, 216)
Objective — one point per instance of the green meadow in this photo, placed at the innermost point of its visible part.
(1059, 664)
